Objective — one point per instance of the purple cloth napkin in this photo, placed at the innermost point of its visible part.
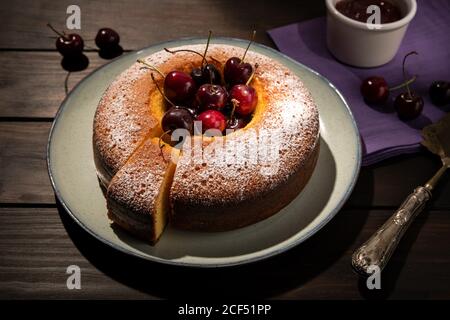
(382, 133)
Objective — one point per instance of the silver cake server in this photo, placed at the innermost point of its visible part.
(378, 249)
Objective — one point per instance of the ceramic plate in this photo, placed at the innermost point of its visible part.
(72, 173)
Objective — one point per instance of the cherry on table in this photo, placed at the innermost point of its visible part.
(69, 45)
(408, 105)
(179, 87)
(107, 39)
(211, 96)
(375, 89)
(212, 119)
(440, 93)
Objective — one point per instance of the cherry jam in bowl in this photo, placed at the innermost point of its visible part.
(367, 33)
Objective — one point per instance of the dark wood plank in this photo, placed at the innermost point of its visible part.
(24, 178)
(142, 23)
(36, 251)
(23, 175)
(32, 83)
(388, 183)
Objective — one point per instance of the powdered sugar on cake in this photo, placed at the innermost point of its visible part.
(124, 119)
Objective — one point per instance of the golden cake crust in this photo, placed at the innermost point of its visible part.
(212, 195)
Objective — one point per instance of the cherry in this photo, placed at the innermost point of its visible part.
(375, 89)
(211, 74)
(440, 93)
(212, 119)
(107, 39)
(193, 111)
(236, 123)
(408, 105)
(245, 99)
(70, 45)
(179, 87)
(197, 76)
(177, 118)
(211, 96)
(236, 71)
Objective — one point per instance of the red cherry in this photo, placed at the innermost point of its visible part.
(179, 87)
(212, 96)
(236, 72)
(70, 45)
(375, 90)
(177, 118)
(237, 123)
(212, 119)
(245, 98)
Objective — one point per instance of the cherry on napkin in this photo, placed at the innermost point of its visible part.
(383, 134)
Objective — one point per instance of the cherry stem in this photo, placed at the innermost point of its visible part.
(234, 102)
(251, 76)
(63, 35)
(183, 50)
(404, 72)
(404, 84)
(151, 67)
(249, 44)
(160, 91)
(206, 49)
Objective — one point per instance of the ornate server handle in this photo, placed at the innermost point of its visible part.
(379, 248)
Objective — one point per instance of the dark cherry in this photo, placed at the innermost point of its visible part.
(408, 106)
(193, 111)
(236, 72)
(236, 123)
(211, 96)
(107, 39)
(179, 87)
(212, 119)
(207, 74)
(245, 98)
(440, 93)
(197, 76)
(177, 118)
(211, 74)
(71, 45)
(375, 90)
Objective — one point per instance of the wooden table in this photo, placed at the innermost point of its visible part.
(38, 240)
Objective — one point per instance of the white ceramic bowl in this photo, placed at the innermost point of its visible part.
(354, 43)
